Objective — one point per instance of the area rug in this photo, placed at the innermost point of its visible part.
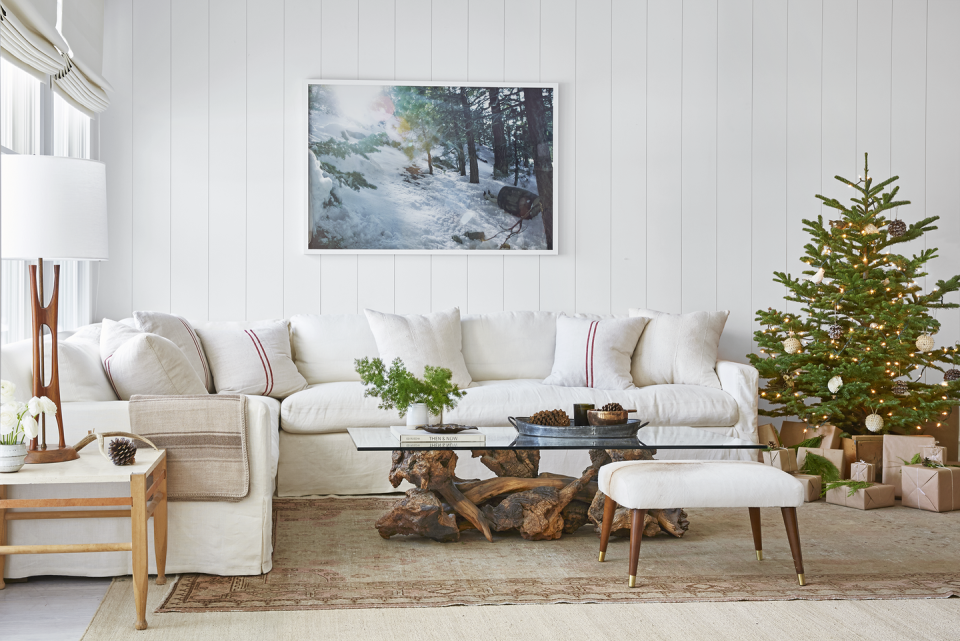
(329, 556)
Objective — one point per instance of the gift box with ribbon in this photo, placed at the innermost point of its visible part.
(862, 471)
(784, 459)
(899, 451)
(877, 495)
(935, 453)
(812, 486)
(935, 489)
(834, 456)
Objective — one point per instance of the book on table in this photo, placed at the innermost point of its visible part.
(413, 435)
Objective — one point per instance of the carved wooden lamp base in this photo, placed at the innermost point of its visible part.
(52, 454)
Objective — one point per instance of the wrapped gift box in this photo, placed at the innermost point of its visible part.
(784, 460)
(862, 471)
(896, 450)
(936, 453)
(935, 489)
(768, 434)
(867, 448)
(834, 456)
(812, 486)
(793, 432)
(877, 495)
(831, 436)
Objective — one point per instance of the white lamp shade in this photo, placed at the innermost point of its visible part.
(53, 208)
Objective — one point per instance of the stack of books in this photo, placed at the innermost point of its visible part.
(413, 436)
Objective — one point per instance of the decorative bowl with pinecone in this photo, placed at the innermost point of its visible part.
(609, 414)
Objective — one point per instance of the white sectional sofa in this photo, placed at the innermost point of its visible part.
(300, 447)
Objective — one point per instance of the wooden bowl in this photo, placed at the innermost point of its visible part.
(601, 418)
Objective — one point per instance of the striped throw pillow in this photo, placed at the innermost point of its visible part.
(595, 353)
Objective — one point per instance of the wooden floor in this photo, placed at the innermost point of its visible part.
(50, 608)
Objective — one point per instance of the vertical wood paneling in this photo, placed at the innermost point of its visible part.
(340, 46)
(558, 38)
(664, 182)
(485, 52)
(115, 285)
(189, 180)
(698, 155)
(734, 180)
(412, 39)
(874, 45)
(593, 133)
(301, 60)
(839, 133)
(228, 161)
(375, 274)
(769, 220)
(943, 158)
(804, 25)
(628, 174)
(151, 157)
(449, 33)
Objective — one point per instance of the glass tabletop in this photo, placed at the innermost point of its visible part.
(368, 439)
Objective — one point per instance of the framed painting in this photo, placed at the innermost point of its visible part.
(430, 167)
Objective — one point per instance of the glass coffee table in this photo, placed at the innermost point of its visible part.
(539, 505)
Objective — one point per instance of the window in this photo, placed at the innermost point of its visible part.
(27, 126)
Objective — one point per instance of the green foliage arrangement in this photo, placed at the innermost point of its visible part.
(397, 388)
(819, 466)
(813, 441)
(852, 486)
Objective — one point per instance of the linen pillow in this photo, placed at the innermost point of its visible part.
(678, 348)
(421, 340)
(595, 353)
(255, 360)
(140, 363)
(181, 332)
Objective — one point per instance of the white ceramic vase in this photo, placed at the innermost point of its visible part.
(12, 456)
(418, 414)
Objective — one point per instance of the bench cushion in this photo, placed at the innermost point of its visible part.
(669, 484)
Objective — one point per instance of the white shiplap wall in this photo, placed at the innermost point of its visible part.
(693, 137)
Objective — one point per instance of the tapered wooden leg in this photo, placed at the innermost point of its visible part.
(138, 527)
(793, 535)
(755, 524)
(160, 524)
(636, 533)
(609, 507)
(3, 535)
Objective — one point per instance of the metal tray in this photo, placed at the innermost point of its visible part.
(625, 430)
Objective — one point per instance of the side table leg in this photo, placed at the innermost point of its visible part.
(160, 526)
(138, 527)
(3, 535)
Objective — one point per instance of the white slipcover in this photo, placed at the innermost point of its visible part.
(326, 346)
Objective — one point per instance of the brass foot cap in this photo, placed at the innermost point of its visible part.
(802, 580)
(759, 555)
(633, 582)
(602, 556)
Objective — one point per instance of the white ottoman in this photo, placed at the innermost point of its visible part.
(647, 485)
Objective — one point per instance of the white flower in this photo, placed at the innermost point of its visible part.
(34, 406)
(30, 427)
(47, 406)
(834, 384)
(7, 391)
(8, 418)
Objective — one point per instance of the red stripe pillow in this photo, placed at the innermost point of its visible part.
(595, 353)
(178, 330)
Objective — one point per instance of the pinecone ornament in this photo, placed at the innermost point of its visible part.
(874, 422)
(925, 343)
(552, 418)
(612, 407)
(897, 228)
(835, 332)
(122, 451)
(791, 345)
(900, 389)
(951, 375)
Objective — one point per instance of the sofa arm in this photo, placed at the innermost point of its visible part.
(742, 383)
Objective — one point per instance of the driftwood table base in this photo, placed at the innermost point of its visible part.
(539, 505)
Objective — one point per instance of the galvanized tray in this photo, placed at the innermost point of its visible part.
(624, 430)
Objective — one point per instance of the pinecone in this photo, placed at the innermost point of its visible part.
(951, 375)
(835, 332)
(612, 407)
(900, 389)
(552, 418)
(897, 228)
(122, 451)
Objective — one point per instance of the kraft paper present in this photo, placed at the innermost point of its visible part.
(812, 486)
(834, 456)
(861, 471)
(766, 434)
(935, 489)
(937, 453)
(784, 460)
(877, 495)
(794, 432)
(867, 448)
(896, 450)
(831, 436)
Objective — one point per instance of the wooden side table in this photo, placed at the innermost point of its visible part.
(142, 503)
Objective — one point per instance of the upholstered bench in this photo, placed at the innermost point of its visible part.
(647, 485)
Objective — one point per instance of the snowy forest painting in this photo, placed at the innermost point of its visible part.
(430, 168)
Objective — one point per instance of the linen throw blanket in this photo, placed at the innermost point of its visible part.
(205, 438)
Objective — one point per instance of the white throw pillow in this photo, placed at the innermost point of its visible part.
(678, 348)
(139, 363)
(421, 340)
(595, 353)
(255, 360)
(181, 332)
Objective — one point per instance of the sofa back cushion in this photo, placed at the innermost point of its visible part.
(678, 349)
(509, 345)
(595, 353)
(325, 346)
(178, 330)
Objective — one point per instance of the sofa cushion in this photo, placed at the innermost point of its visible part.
(178, 330)
(595, 353)
(333, 407)
(678, 348)
(325, 346)
(507, 345)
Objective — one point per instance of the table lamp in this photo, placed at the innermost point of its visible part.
(55, 208)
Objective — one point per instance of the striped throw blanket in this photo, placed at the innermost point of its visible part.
(206, 442)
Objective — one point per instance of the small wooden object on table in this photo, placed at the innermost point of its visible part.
(147, 479)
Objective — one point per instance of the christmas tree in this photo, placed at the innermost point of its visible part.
(860, 351)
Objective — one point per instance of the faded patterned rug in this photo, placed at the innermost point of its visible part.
(328, 555)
